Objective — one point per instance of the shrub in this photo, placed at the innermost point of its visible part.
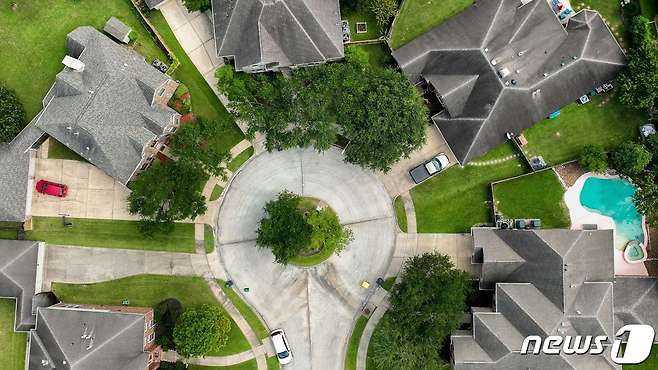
(384, 10)
(200, 331)
(12, 115)
(197, 5)
(166, 313)
(594, 159)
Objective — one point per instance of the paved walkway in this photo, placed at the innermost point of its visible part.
(172, 356)
(410, 212)
(364, 342)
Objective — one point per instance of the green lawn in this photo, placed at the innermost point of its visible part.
(57, 150)
(419, 16)
(247, 365)
(12, 344)
(33, 40)
(379, 54)
(361, 14)
(208, 239)
(273, 363)
(216, 193)
(240, 159)
(539, 195)
(110, 234)
(459, 198)
(353, 345)
(246, 311)
(313, 259)
(400, 214)
(204, 101)
(561, 139)
(147, 291)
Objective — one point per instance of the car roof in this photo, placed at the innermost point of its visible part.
(279, 344)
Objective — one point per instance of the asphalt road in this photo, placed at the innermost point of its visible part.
(315, 306)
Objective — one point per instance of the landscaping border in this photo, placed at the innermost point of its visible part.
(159, 40)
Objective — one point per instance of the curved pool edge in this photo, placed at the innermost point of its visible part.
(579, 215)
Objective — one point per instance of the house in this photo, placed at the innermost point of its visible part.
(270, 35)
(118, 30)
(21, 272)
(548, 282)
(502, 65)
(108, 105)
(85, 337)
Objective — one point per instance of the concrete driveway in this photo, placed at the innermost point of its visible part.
(315, 306)
(92, 193)
(397, 180)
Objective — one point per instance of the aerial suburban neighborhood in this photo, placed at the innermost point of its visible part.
(328, 184)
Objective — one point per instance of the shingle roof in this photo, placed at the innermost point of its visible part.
(117, 29)
(547, 282)
(15, 167)
(153, 3)
(636, 301)
(527, 42)
(106, 113)
(116, 340)
(18, 270)
(278, 33)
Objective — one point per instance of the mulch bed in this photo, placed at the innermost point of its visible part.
(570, 172)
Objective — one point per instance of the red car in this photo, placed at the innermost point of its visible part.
(52, 188)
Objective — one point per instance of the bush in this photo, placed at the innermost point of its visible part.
(200, 331)
(166, 313)
(638, 82)
(384, 11)
(630, 159)
(594, 159)
(197, 5)
(12, 115)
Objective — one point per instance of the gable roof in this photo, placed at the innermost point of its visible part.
(544, 65)
(70, 338)
(117, 29)
(18, 278)
(278, 33)
(106, 112)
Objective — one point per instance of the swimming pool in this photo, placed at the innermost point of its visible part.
(613, 197)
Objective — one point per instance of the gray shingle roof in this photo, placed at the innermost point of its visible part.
(547, 282)
(636, 301)
(106, 113)
(117, 29)
(278, 33)
(152, 4)
(14, 181)
(455, 58)
(18, 270)
(118, 340)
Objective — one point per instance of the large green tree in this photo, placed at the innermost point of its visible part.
(630, 158)
(171, 191)
(12, 115)
(426, 306)
(646, 198)
(284, 229)
(327, 232)
(379, 111)
(201, 330)
(638, 82)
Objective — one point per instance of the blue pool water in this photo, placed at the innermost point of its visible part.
(614, 198)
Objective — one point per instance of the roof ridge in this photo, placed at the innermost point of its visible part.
(304, 29)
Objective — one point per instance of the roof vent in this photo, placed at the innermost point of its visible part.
(486, 50)
(513, 82)
(521, 53)
(578, 312)
(545, 74)
(73, 63)
(69, 128)
(45, 363)
(503, 72)
(507, 83)
(87, 148)
(574, 57)
(493, 62)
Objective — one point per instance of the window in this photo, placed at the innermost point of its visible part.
(151, 323)
(151, 337)
(161, 92)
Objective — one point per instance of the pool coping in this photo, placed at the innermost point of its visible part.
(580, 215)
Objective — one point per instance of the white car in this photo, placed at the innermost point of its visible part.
(281, 347)
(426, 170)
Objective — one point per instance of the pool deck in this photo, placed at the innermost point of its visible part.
(580, 216)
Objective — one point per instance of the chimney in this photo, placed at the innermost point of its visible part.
(73, 63)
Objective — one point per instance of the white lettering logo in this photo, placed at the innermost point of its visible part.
(638, 345)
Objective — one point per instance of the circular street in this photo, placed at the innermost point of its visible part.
(315, 306)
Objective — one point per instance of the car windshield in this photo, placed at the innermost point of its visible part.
(283, 354)
(436, 164)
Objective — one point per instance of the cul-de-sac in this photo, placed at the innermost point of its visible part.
(328, 184)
